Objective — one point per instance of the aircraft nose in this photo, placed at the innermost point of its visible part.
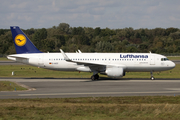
(172, 64)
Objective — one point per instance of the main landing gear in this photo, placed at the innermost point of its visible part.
(95, 77)
(152, 78)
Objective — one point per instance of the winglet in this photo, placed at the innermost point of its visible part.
(79, 51)
(64, 55)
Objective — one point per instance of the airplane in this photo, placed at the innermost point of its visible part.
(113, 65)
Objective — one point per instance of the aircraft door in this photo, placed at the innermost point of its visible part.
(152, 60)
(40, 61)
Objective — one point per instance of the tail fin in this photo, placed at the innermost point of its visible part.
(22, 42)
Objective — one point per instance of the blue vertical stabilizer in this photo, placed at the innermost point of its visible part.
(22, 42)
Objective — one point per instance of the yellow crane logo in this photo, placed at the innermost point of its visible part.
(20, 40)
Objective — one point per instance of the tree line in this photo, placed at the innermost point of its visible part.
(87, 39)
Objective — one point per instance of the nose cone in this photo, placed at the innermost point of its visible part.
(172, 65)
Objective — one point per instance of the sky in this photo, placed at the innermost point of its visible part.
(113, 14)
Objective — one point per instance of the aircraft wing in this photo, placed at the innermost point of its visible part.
(92, 65)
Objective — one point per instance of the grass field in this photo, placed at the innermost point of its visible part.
(3, 59)
(173, 57)
(104, 108)
(26, 71)
(10, 86)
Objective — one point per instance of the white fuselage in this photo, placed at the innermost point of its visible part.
(130, 62)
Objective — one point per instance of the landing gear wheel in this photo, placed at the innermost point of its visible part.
(97, 77)
(152, 78)
(94, 77)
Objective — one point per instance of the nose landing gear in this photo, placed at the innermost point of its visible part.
(152, 78)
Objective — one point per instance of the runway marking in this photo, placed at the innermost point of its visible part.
(98, 93)
(176, 89)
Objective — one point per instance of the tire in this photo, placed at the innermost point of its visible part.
(152, 78)
(92, 77)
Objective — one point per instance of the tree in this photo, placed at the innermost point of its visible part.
(97, 31)
(78, 31)
(103, 46)
(175, 35)
(64, 27)
(39, 36)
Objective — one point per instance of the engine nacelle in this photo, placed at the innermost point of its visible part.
(115, 72)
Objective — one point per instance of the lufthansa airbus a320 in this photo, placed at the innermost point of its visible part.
(111, 64)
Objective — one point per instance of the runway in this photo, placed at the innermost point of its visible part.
(68, 88)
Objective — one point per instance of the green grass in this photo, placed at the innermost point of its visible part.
(3, 59)
(103, 108)
(10, 86)
(173, 57)
(26, 71)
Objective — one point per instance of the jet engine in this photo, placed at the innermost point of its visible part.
(115, 72)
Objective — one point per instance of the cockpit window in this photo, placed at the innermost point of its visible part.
(164, 59)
